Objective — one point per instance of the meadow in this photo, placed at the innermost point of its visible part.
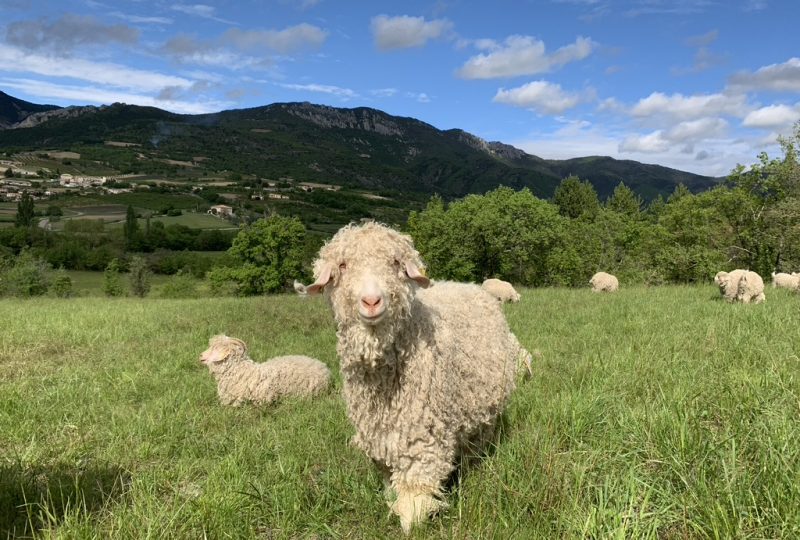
(653, 413)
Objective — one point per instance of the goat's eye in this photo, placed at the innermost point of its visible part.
(343, 266)
(396, 263)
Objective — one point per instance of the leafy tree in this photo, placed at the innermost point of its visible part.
(576, 198)
(54, 211)
(505, 234)
(112, 283)
(680, 191)
(270, 252)
(139, 276)
(625, 201)
(131, 229)
(767, 195)
(25, 211)
(772, 179)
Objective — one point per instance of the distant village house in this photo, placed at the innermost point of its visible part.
(221, 210)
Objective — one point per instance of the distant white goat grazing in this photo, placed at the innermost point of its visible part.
(502, 290)
(786, 281)
(740, 286)
(427, 368)
(728, 283)
(751, 288)
(603, 282)
(240, 380)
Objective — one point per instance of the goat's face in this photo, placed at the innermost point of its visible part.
(370, 273)
(222, 350)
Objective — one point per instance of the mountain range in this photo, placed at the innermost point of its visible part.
(360, 148)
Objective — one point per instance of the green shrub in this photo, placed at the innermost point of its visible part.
(27, 277)
(62, 284)
(112, 282)
(139, 276)
(180, 285)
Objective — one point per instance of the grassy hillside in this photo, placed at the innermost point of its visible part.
(361, 148)
(653, 413)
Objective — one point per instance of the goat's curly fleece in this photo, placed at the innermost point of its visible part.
(751, 288)
(426, 383)
(604, 282)
(502, 290)
(787, 281)
(728, 283)
(740, 286)
(240, 380)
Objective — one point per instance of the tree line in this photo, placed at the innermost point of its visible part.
(752, 220)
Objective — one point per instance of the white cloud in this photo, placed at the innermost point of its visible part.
(522, 55)
(420, 97)
(103, 96)
(650, 143)
(678, 107)
(225, 50)
(288, 40)
(783, 77)
(683, 136)
(66, 33)
(694, 130)
(403, 31)
(384, 92)
(772, 117)
(344, 93)
(541, 96)
(104, 73)
(139, 19)
(200, 10)
(703, 40)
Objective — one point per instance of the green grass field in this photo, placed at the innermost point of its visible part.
(193, 220)
(86, 283)
(653, 413)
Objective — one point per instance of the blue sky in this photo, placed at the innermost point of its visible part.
(699, 85)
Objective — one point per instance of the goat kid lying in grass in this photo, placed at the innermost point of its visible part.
(241, 380)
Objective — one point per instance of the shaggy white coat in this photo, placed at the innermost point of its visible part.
(751, 289)
(728, 283)
(604, 282)
(740, 286)
(427, 369)
(240, 380)
(786, 281)
(502, 290)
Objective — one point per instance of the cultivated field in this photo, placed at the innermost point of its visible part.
(653, 413)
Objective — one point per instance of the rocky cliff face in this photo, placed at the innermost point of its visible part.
(40, 117)
(506, 151)
(330, 117)
(495, 149)
(13, 110)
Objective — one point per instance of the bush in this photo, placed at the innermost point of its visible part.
(112, 283)
(271, 253)
(27, 277)
(62, 284)
(139, 277)
(181, 285)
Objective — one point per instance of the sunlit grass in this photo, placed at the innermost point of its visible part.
(653, 413)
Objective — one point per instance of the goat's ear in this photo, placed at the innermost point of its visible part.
(413, 272)
(319, 285)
